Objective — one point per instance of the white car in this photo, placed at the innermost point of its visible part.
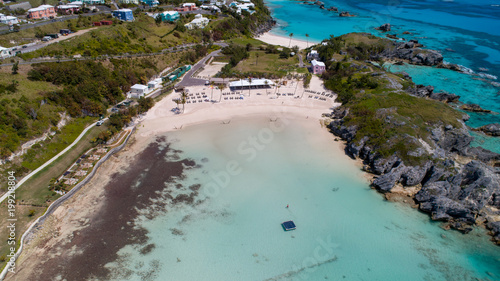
(100, 122)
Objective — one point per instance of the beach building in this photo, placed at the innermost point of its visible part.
(198, 22)
(68, 9)
(135, 2)
(23, 6)
(245, 84)
(317, 67)
(186, 7)
(42, 12)
(170, 16)
(137, 91)
(8, 20)
(312, 55)
(153, 84)
(123, 14)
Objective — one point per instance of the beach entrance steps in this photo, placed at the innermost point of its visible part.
(288, 225)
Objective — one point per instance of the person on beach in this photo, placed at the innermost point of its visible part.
(287, 206)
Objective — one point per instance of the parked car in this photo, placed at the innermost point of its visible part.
(100, 122)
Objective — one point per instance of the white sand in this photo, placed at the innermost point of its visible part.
(303, 104)
(273, 39)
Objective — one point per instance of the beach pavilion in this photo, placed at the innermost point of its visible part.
(245, 84)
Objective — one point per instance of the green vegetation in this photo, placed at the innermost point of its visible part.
(250, 57)
(392, 119)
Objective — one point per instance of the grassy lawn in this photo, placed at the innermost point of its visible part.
(267, 63)
(244, 41)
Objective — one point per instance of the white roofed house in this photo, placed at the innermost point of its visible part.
(8, 20)
(312, 55)
(317, 67)
(137, 91)
(4, 53)
(198, 22)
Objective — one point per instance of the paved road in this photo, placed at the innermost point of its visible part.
(188, 79)
(23, 180)
(102, 10)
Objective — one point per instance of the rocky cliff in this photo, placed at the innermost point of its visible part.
(410, 52)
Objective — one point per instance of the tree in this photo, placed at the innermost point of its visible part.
(256, 58)
(183, 99)
(267, 84)
(15, 67)
(250, 86)
(221, 88)
(307, 40)
(290, 43)
(212, 84)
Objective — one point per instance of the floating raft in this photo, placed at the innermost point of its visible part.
(288, 225)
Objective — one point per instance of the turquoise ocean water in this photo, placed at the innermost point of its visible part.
(465, 32)
(250, 170)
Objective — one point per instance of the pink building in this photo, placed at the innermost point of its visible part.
(41, 12)
(186, 7)
(318, 67)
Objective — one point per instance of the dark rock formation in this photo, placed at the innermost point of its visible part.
(385, 27)
(428, 92)
(490, 129)
(482, 154)
(408, 51)
(345, 14)
(495, 229)
(444, 97)
(474, 108)
(333, 9)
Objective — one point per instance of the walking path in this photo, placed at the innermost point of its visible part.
(23, 180)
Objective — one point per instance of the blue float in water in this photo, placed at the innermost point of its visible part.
(288, 225)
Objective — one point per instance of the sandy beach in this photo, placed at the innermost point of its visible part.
(80, 215)
(273, 39)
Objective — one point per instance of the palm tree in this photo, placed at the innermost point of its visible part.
(221, 87)
(307, 40)
(183, 99)
(256, 58)
(212, 84)
(291, 35)
(250, 86)
(267, 84)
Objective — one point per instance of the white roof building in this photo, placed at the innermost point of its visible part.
(137, 91)
(317, 63)
(4, 52)
(9, 20)
(40, 8)
(198, 22)
(246, 83)
(188, 5)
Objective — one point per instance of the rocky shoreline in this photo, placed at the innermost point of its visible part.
(458, 184)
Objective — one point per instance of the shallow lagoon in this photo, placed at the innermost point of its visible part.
(249, 171)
